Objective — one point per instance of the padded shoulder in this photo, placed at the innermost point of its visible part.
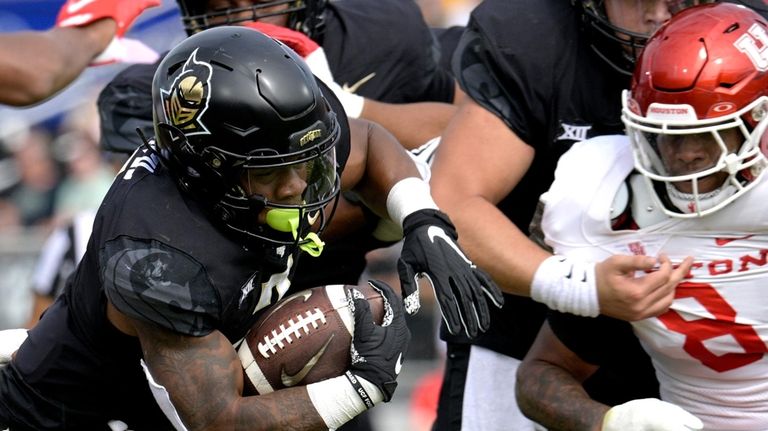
(153, 282)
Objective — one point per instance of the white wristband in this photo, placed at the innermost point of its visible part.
(336, 401)
(566, 285)
(408, 196)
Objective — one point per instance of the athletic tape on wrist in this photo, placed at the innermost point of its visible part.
(566, 285)
(408, 196)
(364, 397)
(337, 400)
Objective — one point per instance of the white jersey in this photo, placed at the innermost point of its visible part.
(709, 349)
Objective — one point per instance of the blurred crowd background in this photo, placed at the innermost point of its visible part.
(51, 167)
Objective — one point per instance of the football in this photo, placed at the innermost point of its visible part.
(304, 338)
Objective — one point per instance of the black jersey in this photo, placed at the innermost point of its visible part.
(157, 258)
(365, 57)
(383, 50)
(529, 63)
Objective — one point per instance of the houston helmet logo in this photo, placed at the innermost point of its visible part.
(187, 99)
(754, 43)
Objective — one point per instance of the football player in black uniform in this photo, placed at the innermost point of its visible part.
(35, 65)
(540, 75)
(199, 233)
(359, 49)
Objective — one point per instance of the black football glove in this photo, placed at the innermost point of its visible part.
(430, 250)
(378, 350)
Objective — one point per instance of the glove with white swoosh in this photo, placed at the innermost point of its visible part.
(650, 414)
(461, 288)
(377, 350)
(78, 13)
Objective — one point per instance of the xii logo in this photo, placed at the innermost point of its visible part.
(574, 133)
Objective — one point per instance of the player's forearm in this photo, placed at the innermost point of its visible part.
(36, 65)
(386, 164)
(496, 244)
(412, 124)
(203, 379)
(556, 400)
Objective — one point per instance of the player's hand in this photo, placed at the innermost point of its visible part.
(78, 13)
(314, 55)
(625, 295)
(461, 288)
(649, 414)
(10, 340)
(377, 350)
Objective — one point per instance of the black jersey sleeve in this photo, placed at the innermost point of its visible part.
(591, 338)
(513, 58)
(626, 371)
(153, 282)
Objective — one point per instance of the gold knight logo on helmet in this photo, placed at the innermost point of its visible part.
(187, 99)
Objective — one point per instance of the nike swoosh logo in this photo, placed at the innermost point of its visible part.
(356, 86)
(293, 380)
(436, 232)
(399, 364)
(313, 218)
(76, 6)
(570, 275)
(723, 241)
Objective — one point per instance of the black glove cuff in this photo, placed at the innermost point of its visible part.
(427, 217)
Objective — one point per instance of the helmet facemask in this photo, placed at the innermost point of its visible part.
(306, 16)
(289, 223)
(696, 112)
(619, 46)
(738, 163)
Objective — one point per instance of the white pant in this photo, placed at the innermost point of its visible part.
(489, 394)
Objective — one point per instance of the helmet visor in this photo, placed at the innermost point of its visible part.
(300, 183)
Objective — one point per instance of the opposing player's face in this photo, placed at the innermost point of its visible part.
(246, 13)
(687, 154)
(643, 16)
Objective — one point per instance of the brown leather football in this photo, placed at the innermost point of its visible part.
(304, 338)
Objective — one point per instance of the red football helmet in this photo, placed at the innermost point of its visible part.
(705, 72)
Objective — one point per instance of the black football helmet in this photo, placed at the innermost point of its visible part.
(618, 46)
(230, 103)
(306, 16)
